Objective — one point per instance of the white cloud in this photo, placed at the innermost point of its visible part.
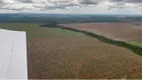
(76, 6)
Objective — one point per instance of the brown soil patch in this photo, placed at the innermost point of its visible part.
(80, 57)
(117, 31)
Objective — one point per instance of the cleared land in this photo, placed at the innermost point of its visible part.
(117, 31)
(81, 57)
(54, 53)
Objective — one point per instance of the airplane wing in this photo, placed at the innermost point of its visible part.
(13, 55)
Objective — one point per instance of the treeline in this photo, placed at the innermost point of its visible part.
(49, 24)
(133, 48)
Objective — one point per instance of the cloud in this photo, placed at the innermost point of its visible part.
(87, 2)
(127, 1)
(26, 1)
(43, 4)
(128, 5)
(48, 5)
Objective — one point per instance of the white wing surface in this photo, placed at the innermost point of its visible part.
(13, 55)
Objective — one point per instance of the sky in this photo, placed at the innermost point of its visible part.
(72, 6)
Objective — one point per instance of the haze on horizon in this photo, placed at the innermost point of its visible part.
(72, 6)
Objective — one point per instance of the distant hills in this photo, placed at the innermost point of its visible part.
(66, 18)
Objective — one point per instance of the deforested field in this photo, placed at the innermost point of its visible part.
(54, 53)
(81, 57)
(117, 31)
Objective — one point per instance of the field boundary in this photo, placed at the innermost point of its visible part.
(133, 48)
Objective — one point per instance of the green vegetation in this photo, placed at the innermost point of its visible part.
(137, 42)
(33, 30)
(134, 48)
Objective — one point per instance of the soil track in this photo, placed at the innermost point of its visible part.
(117, 31)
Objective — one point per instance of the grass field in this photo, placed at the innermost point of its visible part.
(33, 30)
(54, 53)
(137, 42)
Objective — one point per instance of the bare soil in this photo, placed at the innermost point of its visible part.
(117, 31)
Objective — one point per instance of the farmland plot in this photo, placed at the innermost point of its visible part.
(117, 31)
